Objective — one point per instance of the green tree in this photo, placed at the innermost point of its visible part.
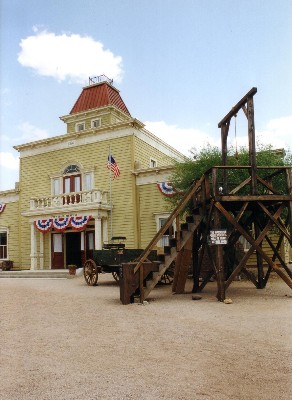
(185, 173)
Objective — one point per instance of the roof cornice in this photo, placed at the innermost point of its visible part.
(98, 111)
(155, 170)
(132, 122)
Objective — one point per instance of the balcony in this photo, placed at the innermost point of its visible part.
(90, 199)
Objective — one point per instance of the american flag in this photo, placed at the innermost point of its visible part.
(113, 166)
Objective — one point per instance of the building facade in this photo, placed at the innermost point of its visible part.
(68, 201)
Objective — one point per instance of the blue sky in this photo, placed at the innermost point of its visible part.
(180, 66)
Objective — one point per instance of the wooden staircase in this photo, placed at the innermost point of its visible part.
(184, 231)
(171, 252)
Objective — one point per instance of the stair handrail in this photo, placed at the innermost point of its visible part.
(181, 205)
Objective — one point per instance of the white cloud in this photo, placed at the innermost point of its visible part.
(68, 57)
(182, 139)
(9, 161)
(278, 132)
(30, 133)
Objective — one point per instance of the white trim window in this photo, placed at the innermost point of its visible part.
(56, 186)
(160, 221)
(95, 123)
(153, 163)
(3, 243)
(79, 126)
(88, 179)
(73, 179)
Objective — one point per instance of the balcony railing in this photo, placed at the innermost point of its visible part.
(93, 197)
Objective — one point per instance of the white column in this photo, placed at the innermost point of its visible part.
(42, 250)
(97, 226)
(33, 248)
(105, 230)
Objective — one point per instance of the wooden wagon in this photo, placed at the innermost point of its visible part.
(110, 260)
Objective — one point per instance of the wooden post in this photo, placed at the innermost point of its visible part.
(289, 186)
(182, 264)
(224, 134)
(196, 266)
(219, 262)
(261, 278)
(224, 125)
(141, 284)
(126, 279)
(252, 145)
(215, 181)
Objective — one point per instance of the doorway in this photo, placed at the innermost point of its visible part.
(73, 248)
(57, 251)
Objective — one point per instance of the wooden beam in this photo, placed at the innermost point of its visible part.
(244, 233)
(263, 197)
(277, 254)
(205, 280)
(244, 110)
(267, 185)
(289, 185)
(219, 265)
(182, 262)
(274, 256)
(196, 266)
(261, 279)
(250, 276)
(205, 234)
(241, 185)
(237, 107)
(252, 144)
(279, 226)
(255, 243)
(224, 135)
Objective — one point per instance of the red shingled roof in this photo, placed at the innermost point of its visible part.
(99, 95)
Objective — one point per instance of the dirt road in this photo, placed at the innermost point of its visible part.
(61, 339)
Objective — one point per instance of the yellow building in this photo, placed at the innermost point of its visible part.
(69, 202)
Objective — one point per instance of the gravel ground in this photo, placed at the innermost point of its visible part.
(61, 339)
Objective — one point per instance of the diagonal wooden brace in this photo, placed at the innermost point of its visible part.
(254, 243)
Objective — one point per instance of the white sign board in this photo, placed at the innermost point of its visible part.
(219, 236)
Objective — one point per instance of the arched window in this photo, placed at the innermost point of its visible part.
(72, 179)
(71, 169)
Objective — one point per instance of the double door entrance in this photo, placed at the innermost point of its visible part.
(71, 248)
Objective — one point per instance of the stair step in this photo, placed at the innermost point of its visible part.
(172, 242)
(44, 274)
(167, 249)
(161, 258)
(184, 226)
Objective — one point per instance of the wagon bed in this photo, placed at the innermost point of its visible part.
(110, 260)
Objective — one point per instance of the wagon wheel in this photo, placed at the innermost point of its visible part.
(116, 276)
(90, 273)
(167, 277)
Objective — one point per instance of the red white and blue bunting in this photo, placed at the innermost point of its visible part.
(2, 206)
(44, 225)
(79, 223)
(166, 188)
(61, 223)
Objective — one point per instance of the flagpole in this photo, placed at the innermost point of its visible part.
(110, 185)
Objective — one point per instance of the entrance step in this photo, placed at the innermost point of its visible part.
(45, 274)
